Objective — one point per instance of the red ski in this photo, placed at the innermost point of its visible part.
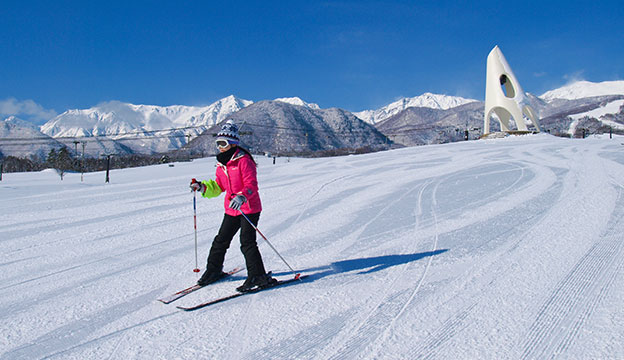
(173, 297)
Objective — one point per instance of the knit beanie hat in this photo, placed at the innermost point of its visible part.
(229, 132)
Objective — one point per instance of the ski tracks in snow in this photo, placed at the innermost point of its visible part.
(388, 306)
(572, 301)
(372, 325)
(578, 294)
(377, 345)
(376, 315)
(570, 305)
(525, 277)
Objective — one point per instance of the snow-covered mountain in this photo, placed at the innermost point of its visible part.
(584, 89)
(120, 121)
(583, 107)
(115, 117)
(424, 125)
(427, 100)
(18, 123)
(279, 127)
(122, 128)
(21, 138)
(297, 101)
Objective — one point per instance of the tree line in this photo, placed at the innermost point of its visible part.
(64, 161)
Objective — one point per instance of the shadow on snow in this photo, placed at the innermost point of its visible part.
(365, 265)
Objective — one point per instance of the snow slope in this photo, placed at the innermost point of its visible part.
(495, 249)
(610, 108)
(583, 89)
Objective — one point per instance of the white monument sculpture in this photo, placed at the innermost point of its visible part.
(504, 96)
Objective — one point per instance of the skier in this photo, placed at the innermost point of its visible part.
(236, 175)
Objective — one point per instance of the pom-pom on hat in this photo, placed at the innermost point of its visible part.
(229, 132)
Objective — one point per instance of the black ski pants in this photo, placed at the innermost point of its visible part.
(249, 246)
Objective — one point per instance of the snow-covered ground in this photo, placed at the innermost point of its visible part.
(497, 249)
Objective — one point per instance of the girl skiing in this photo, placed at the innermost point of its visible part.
(236, 175)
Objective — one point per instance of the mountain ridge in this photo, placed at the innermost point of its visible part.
(123, 128)
(583, 89)
(427, 100)
(277, 127)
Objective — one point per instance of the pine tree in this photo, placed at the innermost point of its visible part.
(64, 160)
(51, 159)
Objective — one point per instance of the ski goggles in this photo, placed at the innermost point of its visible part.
(221, 143)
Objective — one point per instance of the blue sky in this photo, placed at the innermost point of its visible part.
(356, 55)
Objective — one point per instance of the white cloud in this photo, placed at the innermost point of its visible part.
(574, 77)
(25, 109)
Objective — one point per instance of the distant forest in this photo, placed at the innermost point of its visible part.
(63, 160)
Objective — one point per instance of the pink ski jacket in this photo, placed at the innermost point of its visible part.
(238, 177)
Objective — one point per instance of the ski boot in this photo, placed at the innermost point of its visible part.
(258, 282)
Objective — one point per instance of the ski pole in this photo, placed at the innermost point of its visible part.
(195, 226)
(297, 275)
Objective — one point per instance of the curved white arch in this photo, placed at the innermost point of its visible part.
(504, 96)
